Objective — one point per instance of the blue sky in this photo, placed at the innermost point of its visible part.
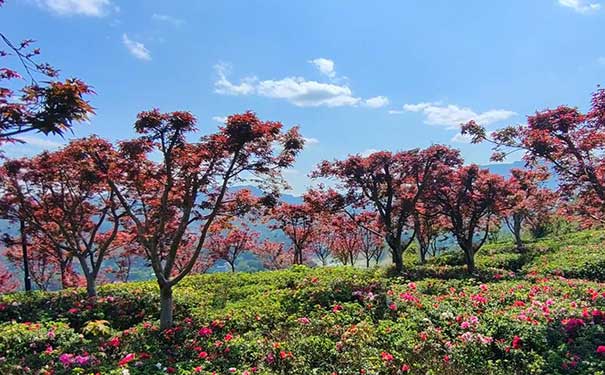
(355, 75)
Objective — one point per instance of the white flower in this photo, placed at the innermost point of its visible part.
(125, 372)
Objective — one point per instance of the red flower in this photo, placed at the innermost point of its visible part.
(405, 368)
(129, 358)
(516, 342)
(386, 356)
(202, 355)
(601, 349)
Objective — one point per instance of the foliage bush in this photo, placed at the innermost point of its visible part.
(516, 315)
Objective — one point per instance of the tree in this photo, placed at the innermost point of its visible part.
(371, 245)
(10, 210)
(48, 107)
(229, 243)
(298, 222)
(324, 237)
(273, 255)
(66, 200)
(188, 188)
(347, 244)
(530, 201)
(7, 282)
(392, 184)
(570, 142)
(429, 224)
(471, 200)
(41, 266)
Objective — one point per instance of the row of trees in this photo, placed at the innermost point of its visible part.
(170, 201)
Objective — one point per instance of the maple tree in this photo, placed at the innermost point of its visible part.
(273, 255)
(67, 202)
(347, 244)
(531, 203)
(429, 224)
(7, 281)
(40, 267)
(392, 184)
(371, 244)
(572, 143)
(471, 199)
(298, 223)
(230, 242)
(48, 107)
(184, 192)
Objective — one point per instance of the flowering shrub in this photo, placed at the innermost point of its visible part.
(514, 316)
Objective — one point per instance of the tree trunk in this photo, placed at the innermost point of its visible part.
(367, 262)
(27, 282)
(62, 270)
(166, 318)
(469, 257)
(232, 264)
(517, 231)
(423, 251)
(91, 288)
(397, 260)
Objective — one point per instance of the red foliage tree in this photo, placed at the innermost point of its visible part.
(188, 188)
(41, 266)
(371, 244)
(48, 107)
(68, 203)
(531, 203)
(392, 184)
(229, 243)
(571, 142)
(471, 199)
(347, 244)
(7, 281)
(273, 255)
(298, 222)
(429, 224)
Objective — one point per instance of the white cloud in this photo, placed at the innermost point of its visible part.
(168, 19)
(377, 102)
(580, 6)
(220, 119)
(225, 87)
(451, 116)
(137, 49)
(93, 8)
(43, 143)
(303, 93)
(296, 90)
(325, 66)
(461, 138)
(368, 152)
(311, 141)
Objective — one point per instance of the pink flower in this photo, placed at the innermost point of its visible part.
(601, 349)
(82, 359)
(304, 320)
(337, 308)
(66, 359)
(405, 368)
(393, 306)
(128, 358)
(205, 331)
(386, 356)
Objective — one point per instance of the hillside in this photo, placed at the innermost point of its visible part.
(540, 311)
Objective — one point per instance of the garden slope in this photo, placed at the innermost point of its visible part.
(520, 315)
